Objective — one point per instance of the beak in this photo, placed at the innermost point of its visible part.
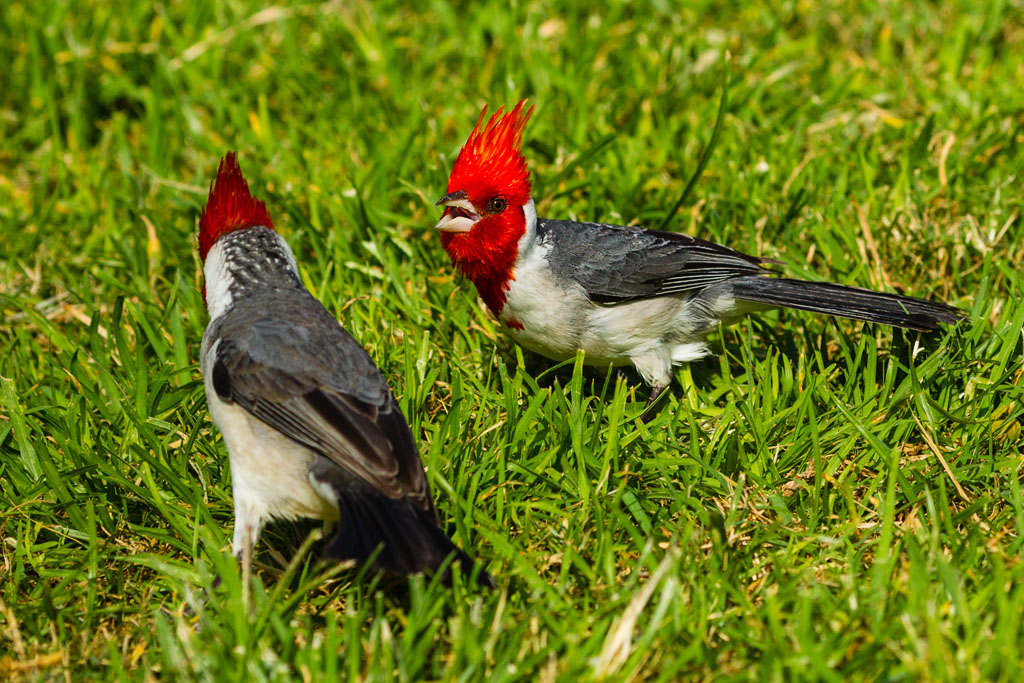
(460, 215)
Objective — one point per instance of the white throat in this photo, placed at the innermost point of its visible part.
(218, 281)
(526, 242)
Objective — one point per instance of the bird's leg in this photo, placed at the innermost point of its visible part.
(246, 560)
(656, 392)
(655, 367)
(243, 544)
(648, 413)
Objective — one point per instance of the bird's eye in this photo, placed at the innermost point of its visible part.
(496, 205)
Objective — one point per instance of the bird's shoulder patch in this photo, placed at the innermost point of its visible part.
(221, 380)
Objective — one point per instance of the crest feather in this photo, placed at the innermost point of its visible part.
(491, 156)
(229, 207)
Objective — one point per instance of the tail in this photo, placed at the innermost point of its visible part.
(409, 539)
(846, 302)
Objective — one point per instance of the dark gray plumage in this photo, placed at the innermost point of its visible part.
(616, 264)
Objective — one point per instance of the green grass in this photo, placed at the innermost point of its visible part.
(829, 501)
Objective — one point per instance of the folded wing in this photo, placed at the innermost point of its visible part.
(299, 372)
(615, 263)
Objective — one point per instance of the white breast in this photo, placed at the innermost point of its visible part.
(552, 315)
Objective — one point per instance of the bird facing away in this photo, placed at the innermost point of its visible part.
(311, 427)
(623, 295)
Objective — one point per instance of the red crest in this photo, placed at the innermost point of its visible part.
(491, 160)
(230, 206)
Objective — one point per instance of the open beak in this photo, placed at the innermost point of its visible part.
(460, 215)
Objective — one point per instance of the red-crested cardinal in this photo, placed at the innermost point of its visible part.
(623, 295)
(311, 427)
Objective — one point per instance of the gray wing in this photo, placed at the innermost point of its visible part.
(290, 364)
(615, 263)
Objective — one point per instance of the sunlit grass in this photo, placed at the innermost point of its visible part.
(820, 500)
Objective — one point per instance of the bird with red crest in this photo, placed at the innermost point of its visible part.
(622, 295)
(311, 428)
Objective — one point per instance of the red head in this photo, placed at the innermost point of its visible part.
(484, 218)
(230, 207)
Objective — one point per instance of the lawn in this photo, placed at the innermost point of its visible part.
(821, 500)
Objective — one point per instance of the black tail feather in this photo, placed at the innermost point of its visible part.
(847, 302)
(409, 539)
